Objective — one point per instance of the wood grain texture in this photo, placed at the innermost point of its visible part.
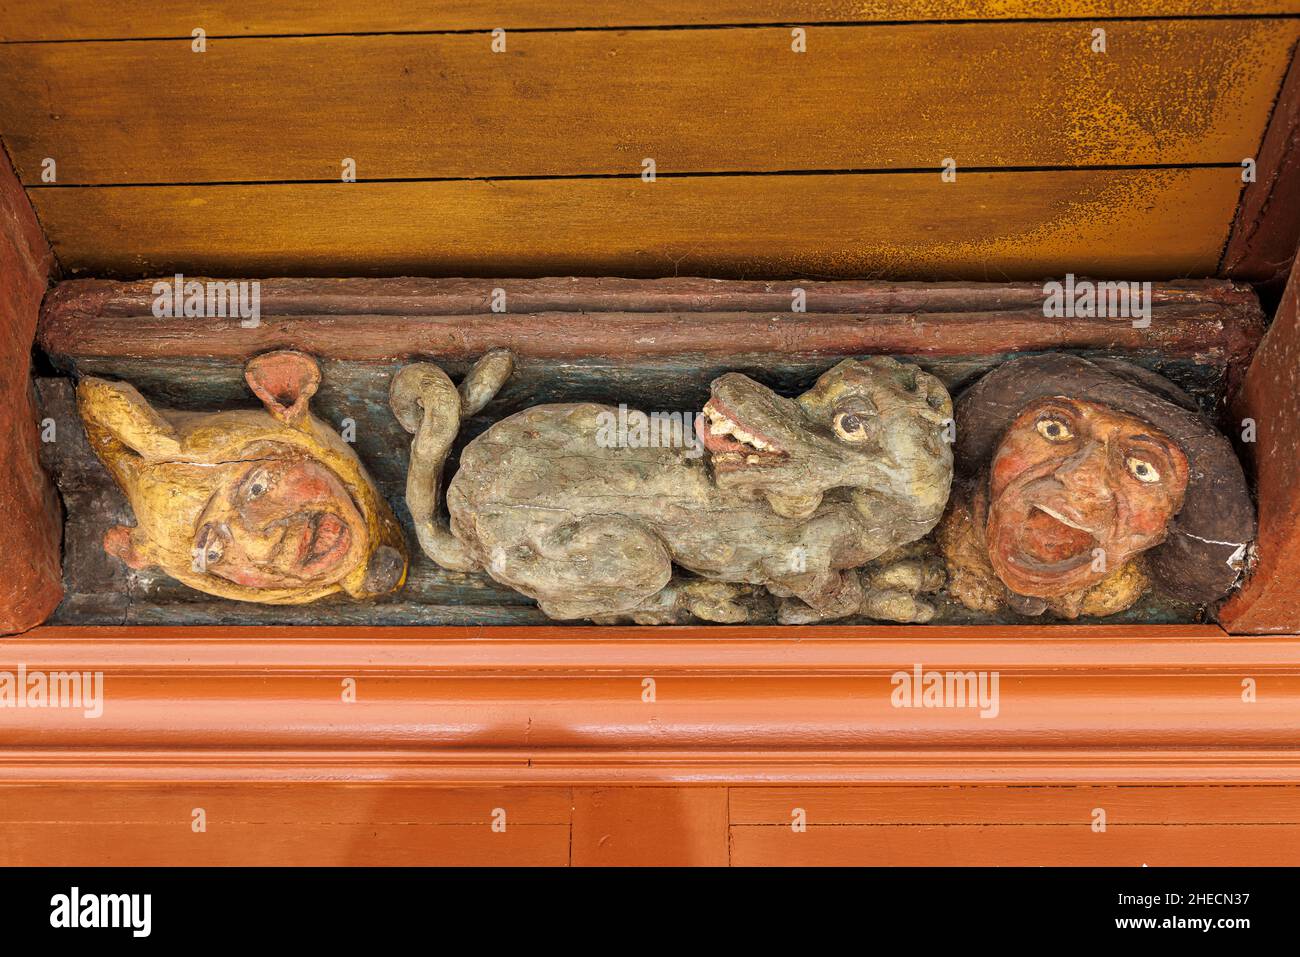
(1048, 845)
(1269, 601)
(1266, 231)
(985, 226)
(650, 827)
(86, 19)
(30, 572)
(564, 104)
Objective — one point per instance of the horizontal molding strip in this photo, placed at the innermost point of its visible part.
(632, 650)
(565, 705)
(1019, 766)
(1216, 334)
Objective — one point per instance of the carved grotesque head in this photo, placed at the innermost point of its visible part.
(258, 505)
(873, 428)
(1077, 488)
(1078, 466)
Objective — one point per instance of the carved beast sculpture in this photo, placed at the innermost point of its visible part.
(790, 498)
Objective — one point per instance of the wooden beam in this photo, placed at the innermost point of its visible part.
(1266, 231)
(1269, 602)
(30, 516)
(1212, 321)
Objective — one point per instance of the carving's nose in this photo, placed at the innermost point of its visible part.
(1084, 475)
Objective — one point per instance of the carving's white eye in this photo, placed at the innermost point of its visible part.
(209, 548)
(853, 426)
(1141, 469)
(257, 484)
(1054, 430)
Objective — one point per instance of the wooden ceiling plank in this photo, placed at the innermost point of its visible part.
(90, 19)
(985, 226)
(888, 98)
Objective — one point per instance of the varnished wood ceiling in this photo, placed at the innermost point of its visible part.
(768, 162)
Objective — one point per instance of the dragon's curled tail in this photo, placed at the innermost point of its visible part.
(428, 406)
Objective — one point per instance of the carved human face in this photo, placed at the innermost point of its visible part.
(280, 522)
(1071, 478)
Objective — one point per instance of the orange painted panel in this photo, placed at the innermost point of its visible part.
(1177, 845)
(82, 844)
(1017, 805)
(653, 827)
(292, 805)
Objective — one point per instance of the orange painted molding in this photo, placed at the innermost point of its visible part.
(568, 705)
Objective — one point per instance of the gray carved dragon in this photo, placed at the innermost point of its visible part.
(790, 498)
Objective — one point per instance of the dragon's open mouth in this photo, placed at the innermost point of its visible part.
(732, 445)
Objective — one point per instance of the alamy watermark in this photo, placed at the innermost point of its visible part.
(1085, 299)
(919, 688)
(82, 690)
(214, 299)
(75, 909)
(634, 429)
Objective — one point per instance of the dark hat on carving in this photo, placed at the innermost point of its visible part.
(1201, 557)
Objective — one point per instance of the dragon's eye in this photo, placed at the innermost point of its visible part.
(1141, 469)
(853, 426)
(1054, 430)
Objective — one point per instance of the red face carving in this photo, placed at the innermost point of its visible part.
(1075, 490)
(281, 523)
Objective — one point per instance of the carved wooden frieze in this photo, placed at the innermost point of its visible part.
(264, 506)
(910, 454)
(596, 513)
(1085, 482)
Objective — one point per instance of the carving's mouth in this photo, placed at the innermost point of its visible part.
(1052, 541)
(731, 444)
(325, 540)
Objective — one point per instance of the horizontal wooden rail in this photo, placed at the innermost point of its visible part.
(1210, 320)
(571, 705)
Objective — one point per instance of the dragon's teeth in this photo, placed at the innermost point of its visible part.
(752, 459)
(743, 436)
(721, 427)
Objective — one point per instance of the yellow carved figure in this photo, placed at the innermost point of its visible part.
(265, 505)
